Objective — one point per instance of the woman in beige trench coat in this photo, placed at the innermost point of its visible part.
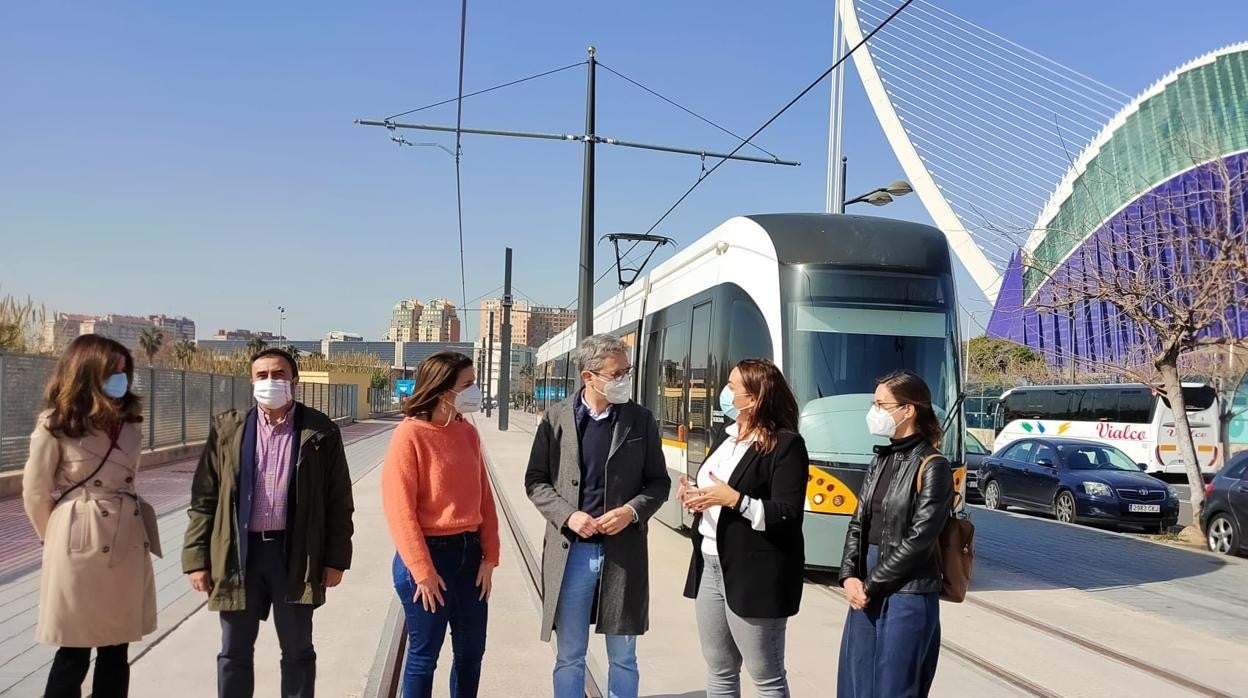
(97, 588)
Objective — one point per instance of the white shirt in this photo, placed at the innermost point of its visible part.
(722, 462)
(589, 409)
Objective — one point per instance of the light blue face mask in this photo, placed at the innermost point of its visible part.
(725, 404)
(117, 385)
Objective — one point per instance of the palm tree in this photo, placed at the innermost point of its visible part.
(255, 345)
(151, 340)
(184, 351)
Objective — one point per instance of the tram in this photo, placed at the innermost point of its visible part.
(836, 301)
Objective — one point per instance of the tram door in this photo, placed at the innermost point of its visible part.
(701, 395)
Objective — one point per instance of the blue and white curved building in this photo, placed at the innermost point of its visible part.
(1143, 155)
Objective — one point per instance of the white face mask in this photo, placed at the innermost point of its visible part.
(617, 391)
(468, 400)
(271, 393)
(881, 422)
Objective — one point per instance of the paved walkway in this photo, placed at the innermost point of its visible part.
(670, 658)
(23, 663)
(348, 629)
(1046, 597)
(1036, 580)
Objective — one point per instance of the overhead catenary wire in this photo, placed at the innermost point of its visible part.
(777, 115)
(488, 89)
(684, 108)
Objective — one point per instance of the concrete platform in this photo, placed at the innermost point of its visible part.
(348, 628)
(669, 655)
(24, 663)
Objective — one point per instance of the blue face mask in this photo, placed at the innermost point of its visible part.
(117, 385)
(725, 404)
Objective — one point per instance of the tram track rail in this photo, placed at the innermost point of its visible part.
(1029, 687)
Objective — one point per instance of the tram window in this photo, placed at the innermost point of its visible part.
(748, 337)
(672, 382)
(701, 383)
(650, 388)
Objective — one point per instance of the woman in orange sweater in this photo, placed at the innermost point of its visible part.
(440, 512)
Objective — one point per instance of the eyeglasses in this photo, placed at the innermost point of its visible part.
(887, 406)
(622, 373)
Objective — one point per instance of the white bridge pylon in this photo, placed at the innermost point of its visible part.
(983, 127)
(986, 276)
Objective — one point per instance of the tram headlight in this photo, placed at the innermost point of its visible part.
(1098, 489)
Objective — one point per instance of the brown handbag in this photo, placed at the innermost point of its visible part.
(955, 548)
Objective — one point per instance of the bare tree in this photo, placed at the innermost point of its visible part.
(1171, 270)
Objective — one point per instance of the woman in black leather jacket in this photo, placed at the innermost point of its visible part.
(890, 570)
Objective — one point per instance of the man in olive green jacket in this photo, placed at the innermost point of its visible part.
(270, 526)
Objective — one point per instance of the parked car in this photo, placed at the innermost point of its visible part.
(1077, 481)
(1226, 507)
(974, 456)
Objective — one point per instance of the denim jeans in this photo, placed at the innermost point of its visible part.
(727, 639)
(457, 560)
(572, 619)
(891, 647)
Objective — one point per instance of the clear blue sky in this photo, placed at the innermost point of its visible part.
(200, 159)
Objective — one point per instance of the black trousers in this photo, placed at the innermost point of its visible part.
(69, 670)
(266, 587)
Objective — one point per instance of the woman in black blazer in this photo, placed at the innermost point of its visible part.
(748, 552)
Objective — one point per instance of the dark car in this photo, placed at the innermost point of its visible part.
(1078, 482)
(1226, 507)
(974, 456)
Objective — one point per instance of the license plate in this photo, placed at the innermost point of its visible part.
(1144, 508)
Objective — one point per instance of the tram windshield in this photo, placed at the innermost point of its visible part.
(846, 328)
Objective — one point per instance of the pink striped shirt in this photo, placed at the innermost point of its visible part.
(273, 443)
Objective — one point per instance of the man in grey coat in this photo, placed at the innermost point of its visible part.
(597, 474)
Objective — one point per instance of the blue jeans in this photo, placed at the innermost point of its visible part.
(891, 647)
(572, 619)
(728, 639)
(457, 560)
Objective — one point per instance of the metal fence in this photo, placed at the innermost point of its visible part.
(178, 406)
(382, 401)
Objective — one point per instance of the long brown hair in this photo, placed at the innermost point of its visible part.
(75, 393)
(909, 389)
(435, 375)
(775, 408)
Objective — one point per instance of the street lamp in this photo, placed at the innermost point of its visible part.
(876, 197)
(281, 323)
(882, 196)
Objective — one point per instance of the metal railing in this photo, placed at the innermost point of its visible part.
(178, 406)
(382, 401)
